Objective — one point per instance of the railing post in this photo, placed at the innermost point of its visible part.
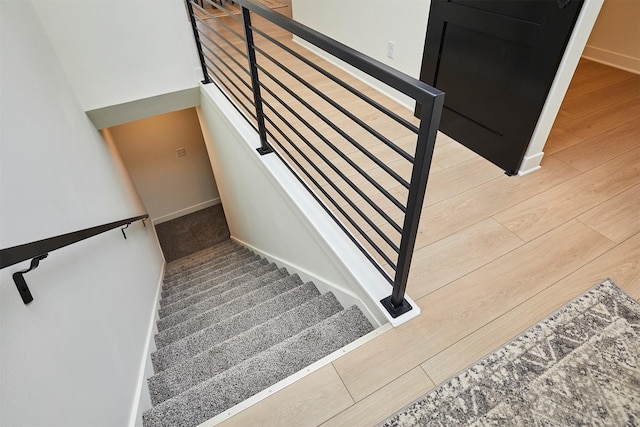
(196, 35)
(396, 304)
(265, 148)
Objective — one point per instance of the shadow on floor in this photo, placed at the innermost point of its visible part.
(192, 233)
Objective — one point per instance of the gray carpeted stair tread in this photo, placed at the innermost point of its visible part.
(223, 356)
(238, 270)
(190, 260)
(182, 266)
(169, 287)
(206, 277)
(221, 294)
(198, 342)
(204, 263)
(223, 312)
(193, 260)
(245, 379)
(214, 288)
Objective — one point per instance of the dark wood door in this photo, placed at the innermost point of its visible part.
(495, 60)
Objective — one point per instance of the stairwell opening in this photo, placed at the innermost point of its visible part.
(167, 160)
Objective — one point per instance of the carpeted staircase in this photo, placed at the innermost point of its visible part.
(231, 325)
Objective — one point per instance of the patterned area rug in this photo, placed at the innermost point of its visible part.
(229, 8)
(580, 366)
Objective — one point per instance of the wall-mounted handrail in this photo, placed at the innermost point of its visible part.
(38, 250)
(379, 220)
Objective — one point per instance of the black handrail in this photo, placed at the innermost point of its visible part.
(38, 250)
(431, 100)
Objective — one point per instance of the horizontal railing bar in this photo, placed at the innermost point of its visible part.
(344, 111)
(342, 83)
(222, 73)
(246, 84)
(339, 223)
(402, 82)
(226, 40)
(344, 157)
(362, 172)
(242, 54)
(342, 133)
(218, 21)
(330, 182)
(247, 110)
(221, 8)
(335, 204)
(19, 253)
(340, 108)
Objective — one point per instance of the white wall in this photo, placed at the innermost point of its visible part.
(74, 356)
(268, 210)
(119, 51)
(615, 39)
(368, 26)
(170, 186)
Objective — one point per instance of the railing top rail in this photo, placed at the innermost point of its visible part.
(24, 252)
(398, 80)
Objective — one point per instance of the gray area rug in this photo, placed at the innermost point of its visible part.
(580, 366)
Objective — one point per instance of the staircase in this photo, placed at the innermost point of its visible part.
(231, 325)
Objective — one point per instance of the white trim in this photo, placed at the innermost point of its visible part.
(530, 164)
(295, 377)
(346, 297)
(575, 46)
(136, 411)
(118, 114)
(186, 211)
(612, 59)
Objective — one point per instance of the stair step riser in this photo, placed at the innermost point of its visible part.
(170, 293)
(231, 387)
(185, 264)
(206, 268)
(221, 313)
(200, 341)
(216, 289)
(228, 291)
(225, 355)
(191, 261)
(237, 271)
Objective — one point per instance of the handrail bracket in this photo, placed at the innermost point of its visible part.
(21, 283)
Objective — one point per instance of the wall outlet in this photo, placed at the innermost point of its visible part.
(391, 49)
(181, 152)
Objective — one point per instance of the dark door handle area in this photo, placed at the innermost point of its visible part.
(563, 3)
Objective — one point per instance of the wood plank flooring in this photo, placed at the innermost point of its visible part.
(494, 256)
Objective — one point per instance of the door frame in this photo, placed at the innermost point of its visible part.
(572, 54)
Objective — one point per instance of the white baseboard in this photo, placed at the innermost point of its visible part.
(186, 211)
(344, 296)
(142, 401)
(530, 164)
(613, 59)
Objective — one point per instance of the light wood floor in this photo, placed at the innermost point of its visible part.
(495, 255)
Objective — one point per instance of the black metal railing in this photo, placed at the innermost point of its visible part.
(39, 250)
(365, 160)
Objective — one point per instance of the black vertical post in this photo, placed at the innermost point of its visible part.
(196, 35)
(396, 304)
(265, 148)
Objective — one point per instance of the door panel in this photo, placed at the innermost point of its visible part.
(495, 61)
